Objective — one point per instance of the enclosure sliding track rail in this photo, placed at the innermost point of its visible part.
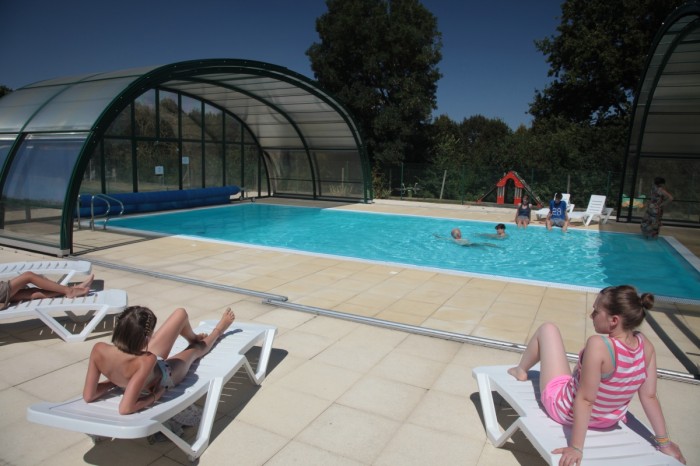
(458, 337)
(190, 281)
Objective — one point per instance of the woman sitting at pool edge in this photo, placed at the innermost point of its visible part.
(523, 212)
(617, 363)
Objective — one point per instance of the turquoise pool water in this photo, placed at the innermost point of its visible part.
(579, 258)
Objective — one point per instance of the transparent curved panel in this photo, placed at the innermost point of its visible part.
(192, 176)
(168, 125)
(6, 142)
(145, 114)
(118, 163)
(213, 165)
(291, 172)
(665, 129)
(78, 107)
(34, 194)
(339, 174)
(17, 108)
(157, 166)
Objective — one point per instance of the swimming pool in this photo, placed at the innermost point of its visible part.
(580, 258)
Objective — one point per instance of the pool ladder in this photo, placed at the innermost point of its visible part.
(109, 200)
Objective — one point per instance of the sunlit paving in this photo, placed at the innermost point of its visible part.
(350, 232)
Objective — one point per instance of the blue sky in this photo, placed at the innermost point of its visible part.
(490, 65)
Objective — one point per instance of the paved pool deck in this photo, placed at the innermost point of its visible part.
(339, 391)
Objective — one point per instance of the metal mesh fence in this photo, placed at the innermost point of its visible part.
(465, 184)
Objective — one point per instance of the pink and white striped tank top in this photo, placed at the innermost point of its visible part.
(615, 391)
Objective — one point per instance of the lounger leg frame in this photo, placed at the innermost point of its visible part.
(211, 404)
(66, 335)
(258, 376)
(493, 429)
(201, 442)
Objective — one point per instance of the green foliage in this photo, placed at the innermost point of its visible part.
(597, 57)
(484, 141)
(4, 90)
(379, 57)
(477, 141)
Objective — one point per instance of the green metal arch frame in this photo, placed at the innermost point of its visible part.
(189, 70)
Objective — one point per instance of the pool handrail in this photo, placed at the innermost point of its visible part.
(106, 199)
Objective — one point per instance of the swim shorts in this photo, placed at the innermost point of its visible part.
(166, 380)
(550, 394)
(558, 222)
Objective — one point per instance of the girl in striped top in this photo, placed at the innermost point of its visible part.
(611, 368)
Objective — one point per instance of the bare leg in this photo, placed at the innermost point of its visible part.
(181, 362)
(164, 337)
(547, 348)
(45, 288)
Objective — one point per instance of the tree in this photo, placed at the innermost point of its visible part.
(597, 58)
(484, 141)
(379, 57)
(4, 90)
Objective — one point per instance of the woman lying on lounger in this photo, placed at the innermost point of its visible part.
(139, 363)
(617, 364)
(18, 289)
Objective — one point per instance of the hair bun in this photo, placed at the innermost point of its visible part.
(647, 300)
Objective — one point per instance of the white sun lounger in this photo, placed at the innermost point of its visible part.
(65, 268)
(93, 307)
(596, 209)
(102, 418)
(621, 445)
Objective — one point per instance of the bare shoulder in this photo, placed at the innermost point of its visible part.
(595, 340)
(101, 348)
(595, 345)
(648, 345)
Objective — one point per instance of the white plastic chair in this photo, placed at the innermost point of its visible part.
(626, 444)
(596, 209)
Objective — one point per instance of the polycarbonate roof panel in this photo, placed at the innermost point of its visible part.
(670, 95)
(280, 114)
(63, 104)
(78, 107)
(18, 107)
(282, 109)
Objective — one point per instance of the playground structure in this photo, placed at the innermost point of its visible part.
(520, 187)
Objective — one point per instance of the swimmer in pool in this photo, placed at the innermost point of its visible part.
(456, 235)
(500, 232)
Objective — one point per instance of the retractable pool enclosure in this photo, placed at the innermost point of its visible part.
(665, 129)
(190, 125)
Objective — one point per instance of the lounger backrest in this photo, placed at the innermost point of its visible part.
(596, 204)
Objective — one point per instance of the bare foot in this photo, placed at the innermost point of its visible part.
(77, 291)
(518, 373)
(87, 283)
(81, 289)
(226, 320)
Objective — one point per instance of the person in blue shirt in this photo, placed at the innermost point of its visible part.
(557, 215)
